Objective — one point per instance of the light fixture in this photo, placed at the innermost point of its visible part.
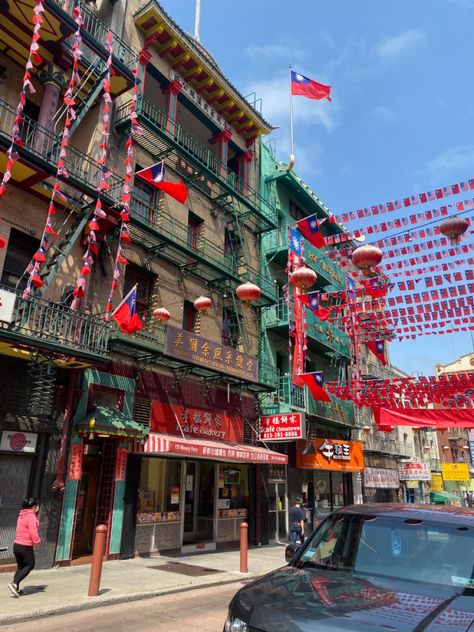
(446, 447)
(465, 447)
(224, 294)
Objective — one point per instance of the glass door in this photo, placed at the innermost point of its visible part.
(277, 509)
(199, 499)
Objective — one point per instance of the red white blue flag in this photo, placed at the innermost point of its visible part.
(315, 383)
(305, 87)
(126, 315)
(311, 300)
(155, 175)
(309, 228)
(378, 349)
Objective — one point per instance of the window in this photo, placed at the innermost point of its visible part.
(230, 328)
(144, 200)
(296, 211)
(21, 247)
(194, 224)
(189, 316)
(144, 282)
(159, 491)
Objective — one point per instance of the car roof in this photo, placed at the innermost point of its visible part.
(437, 513)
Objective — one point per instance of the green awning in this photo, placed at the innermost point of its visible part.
(446, 498)
(111, 422)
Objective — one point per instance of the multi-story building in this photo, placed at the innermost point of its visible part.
(323, 486)
(151, 433)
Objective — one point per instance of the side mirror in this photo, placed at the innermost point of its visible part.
(290, 552)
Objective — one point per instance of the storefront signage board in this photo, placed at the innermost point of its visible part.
(75, 462)
(185, 345)
(436, 483)
(7, 305)
(17, 441)
(455, 471)
(330, 454)
(285, 427)
(414, 471)
(381, 478)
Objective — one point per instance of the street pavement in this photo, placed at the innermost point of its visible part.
(61, 590)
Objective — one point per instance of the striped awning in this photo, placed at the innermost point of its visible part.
(163, 444)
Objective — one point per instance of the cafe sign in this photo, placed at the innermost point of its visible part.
(286, 427)
(185, 345)
(330, 454)
(17, 441)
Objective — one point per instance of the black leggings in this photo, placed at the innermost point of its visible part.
(25, 559)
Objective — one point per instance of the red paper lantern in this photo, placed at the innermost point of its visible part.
(367, 257)
(248, 292)
(303, 278)
(161, 314)
(3, 242)
(453, 228)
(203, 304)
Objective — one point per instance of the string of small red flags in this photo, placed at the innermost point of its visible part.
(125, 197)
(33, 58)
(49, 234)
(99, 213)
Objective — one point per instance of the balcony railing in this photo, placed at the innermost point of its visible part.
(155, 119)
(57, 327)
(43, 149)
(175, 233)
(277, 240)
(94, 28)
(322, 331)
(375, 443)
(336, 410)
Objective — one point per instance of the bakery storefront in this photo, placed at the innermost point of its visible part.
(194, 478)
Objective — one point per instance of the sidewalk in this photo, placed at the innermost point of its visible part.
(60, 590)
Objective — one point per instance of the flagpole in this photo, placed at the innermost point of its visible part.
(291, 162)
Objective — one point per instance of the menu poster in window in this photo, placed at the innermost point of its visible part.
(146, 500)
(75, 462)
(174, 496)
(231, 476)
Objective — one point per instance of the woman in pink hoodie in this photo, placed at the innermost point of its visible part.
(26, 538)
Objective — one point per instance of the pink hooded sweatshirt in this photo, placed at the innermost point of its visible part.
(27, 528)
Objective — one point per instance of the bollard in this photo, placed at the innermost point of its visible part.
(97, 559)
(244, 547)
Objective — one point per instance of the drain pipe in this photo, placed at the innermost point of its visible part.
(59, 483)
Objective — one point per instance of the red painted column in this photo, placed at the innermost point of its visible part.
(244, 162)
(144, 58)
(171, 92)
(222, 139)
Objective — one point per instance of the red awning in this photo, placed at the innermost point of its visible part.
(159, 444)
(386, 418)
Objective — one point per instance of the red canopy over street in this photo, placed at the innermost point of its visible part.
(386, 418)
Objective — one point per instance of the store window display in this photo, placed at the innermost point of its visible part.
(159, 491)
(233, 491)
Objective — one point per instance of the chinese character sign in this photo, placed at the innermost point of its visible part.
(330, 454)
(284, 427)
(414, 471)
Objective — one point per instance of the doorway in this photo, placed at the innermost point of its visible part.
(15, 474)
(199, 503)
(86, 506)
(277, 507)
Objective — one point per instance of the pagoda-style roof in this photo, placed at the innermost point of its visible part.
(198, 68)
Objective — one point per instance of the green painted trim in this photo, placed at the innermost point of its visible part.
(64, 544)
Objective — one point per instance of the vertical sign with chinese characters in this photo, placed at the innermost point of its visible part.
(284, 427)
(121, 464)
(75, 462)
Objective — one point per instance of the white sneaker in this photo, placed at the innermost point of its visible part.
(14, 588)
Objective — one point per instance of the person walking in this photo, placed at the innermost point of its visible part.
(26, 537)
(297, 516)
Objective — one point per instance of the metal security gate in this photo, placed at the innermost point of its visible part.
(15, 474)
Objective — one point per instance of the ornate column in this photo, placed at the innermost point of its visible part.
(53, 80)
(222, 139)
(171, 92)
(244, 161)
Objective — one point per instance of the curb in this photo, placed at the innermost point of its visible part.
(109, 601)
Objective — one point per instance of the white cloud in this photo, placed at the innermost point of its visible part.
(274, 51)
(456, 161)
(382, 113)
(407, 42)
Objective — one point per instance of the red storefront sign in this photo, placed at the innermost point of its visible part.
(196, 423)
(75, 462)
(121, 464)
(284, 427)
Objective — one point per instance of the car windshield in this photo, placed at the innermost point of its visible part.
(399, 548)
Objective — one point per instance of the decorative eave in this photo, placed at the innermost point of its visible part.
(197, 68)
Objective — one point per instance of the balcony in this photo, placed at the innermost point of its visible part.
(56, 327)
(375, 371)
(319, 333)
(275, 245)
(336, 410)
(41, 150)
(288, 397)
(378, 444)
(163, 236)
(164, 138)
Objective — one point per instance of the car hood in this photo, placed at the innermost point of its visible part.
(307, 599)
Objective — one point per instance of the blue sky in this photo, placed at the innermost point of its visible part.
(402, 113)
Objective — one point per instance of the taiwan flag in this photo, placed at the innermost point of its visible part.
(378, 349)
(315, 383)
(311, 300)
(155, 175)
(304, 87)
(309, 228)
(125, 315)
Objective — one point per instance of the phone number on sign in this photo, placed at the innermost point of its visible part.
(291, 434)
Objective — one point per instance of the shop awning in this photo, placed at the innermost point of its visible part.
(163, 444)
(444, 497)
(111, 422)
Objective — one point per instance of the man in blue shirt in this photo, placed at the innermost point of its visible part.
(297, 516)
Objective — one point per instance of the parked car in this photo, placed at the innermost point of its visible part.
(395, 568)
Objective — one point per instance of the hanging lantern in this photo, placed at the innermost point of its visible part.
(367, 257)
(303, 278)
(453, 228)
(248, 292)
(203, 304)
(161, 314)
